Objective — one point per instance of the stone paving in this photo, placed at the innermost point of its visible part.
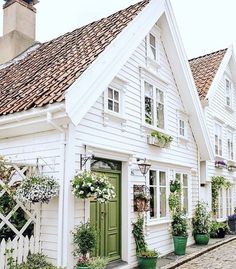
(223, 257)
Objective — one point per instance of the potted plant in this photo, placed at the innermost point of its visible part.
(175, 185)
(85, 242)
(201, 224)
(37, 189)
(159, 139)
(179, 232)
(218, 229)
(98, 263)
(86, 185)
(147, 259)
(141, 201)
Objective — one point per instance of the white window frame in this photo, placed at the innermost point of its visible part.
(182, 116)
(219, 133)
(119, 85)
(228, 93)
(151, 62)
(158, 218)
(156, 86)
(230, 145)
(225, 203)
(229, 201)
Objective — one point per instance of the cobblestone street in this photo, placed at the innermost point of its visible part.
(223, 257)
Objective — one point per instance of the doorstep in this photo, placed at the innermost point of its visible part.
(171, 260)
(117, 265)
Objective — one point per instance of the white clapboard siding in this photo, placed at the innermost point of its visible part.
(21, 248)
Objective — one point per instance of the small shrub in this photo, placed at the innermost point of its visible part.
(215, 228)
(179, 224)
(98, 263)
(201, 219)
(149, 253)
(138, 234)
(84, 239)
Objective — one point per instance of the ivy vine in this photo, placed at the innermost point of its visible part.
(175, 198)
(217, 183)
(138, 234)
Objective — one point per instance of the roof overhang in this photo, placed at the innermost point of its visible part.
(82, 95)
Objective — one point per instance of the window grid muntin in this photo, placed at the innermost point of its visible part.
(113, 100)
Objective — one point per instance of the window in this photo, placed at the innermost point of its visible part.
(158, 192)
(154, 106)
(153, 47)
(183, 178)
(113, 100)
(220, 204)
(218, 139)
(230, 140)
(229, 201)
(228, 93)
(181, 127)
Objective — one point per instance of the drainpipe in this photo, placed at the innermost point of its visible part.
(62, 187)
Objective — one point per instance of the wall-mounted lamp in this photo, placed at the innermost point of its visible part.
(84, 158)
(143, 165)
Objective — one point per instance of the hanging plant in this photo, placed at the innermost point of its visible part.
(217, 183)
(175, 185)
(175, 196)
(87, 184)
(37, 189)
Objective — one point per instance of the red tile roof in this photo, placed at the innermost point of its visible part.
(204, 69)
(43, 76)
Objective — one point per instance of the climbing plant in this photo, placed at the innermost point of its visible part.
(175, 198)
(138, 234)
(217, 183)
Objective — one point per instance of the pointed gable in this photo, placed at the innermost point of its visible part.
(204, 69)
(43, 76)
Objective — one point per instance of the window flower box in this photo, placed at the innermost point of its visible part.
(159, 140)
(232, 168)
(220, 164)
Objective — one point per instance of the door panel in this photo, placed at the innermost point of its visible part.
(106, 219)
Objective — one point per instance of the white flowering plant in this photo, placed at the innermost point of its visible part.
(87, 184)
(37, 189)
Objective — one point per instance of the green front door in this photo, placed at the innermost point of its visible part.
(106, 218)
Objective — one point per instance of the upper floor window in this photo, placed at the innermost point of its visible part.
(228, 93)
(154, 106)
(153, 47)
(181, 127)
(113, 100)
(230, 145)
(158, 192)
(218, 139)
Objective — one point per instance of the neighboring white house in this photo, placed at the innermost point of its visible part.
(102, 89)
(215, 79)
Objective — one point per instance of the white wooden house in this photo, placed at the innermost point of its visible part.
(87, 92)
(215, 79)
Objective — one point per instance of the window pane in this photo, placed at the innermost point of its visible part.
(152, 178)
(116, 95)
(153, 194)
(160, 96)
(185, 198)
(162, 178)
(152, 40)
(110, 104)
(116, 107)
(162, 202)
(110, 93)
(160, 115)
(178, 176)
(148, 110)
(185, 180)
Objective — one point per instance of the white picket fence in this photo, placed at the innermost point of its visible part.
(21, 248)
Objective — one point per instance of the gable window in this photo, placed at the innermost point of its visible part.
(113, 101)
(154, 106)
(181, 127)
(218, 139)
(153, 47)
(230, 145)
(158, 192)
(228, 92)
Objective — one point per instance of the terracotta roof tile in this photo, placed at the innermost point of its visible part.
(204, 69)
(44, 75)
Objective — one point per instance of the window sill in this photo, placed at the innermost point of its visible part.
(183, 139)
(152, 63)
(114, 116)
(230, 109)
(218, 158)
(158, 222)
(151, 128)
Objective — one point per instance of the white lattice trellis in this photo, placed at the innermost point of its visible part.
(32, 212)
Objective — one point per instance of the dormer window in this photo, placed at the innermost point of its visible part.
(228, 93)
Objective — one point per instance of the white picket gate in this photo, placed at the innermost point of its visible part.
(21, 248)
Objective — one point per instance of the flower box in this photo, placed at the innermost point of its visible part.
(220, 164)
(155, 141)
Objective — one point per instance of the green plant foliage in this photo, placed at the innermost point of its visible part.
(163, 138)
(175, 184)
(201, 219)
(98, 263)
(149, 253)
(84, 239)
(174, 201)
(179, 224)
(217, 183)
(215, 228)
(138, 234)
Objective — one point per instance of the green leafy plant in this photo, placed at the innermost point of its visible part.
(11, 263)
(175, 185)
(215, 228)
(149, 253)
(175, 197)
(179, 224)
(201, 219)
(84, 239)
(217, 183)
(138, 234)
(98, 263)
(162, 138)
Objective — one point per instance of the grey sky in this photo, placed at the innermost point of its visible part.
(205, 25)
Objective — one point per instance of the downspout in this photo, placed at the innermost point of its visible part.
(63, 143)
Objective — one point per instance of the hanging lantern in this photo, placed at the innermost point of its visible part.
(143, 166)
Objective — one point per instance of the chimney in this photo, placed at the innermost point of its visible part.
(19, 18)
